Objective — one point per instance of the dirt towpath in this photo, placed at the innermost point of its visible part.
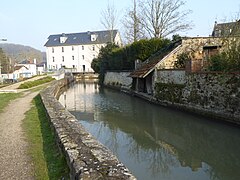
(15, 162)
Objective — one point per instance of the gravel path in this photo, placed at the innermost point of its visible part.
(14, 160)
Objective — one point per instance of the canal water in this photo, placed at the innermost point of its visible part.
(154, 142)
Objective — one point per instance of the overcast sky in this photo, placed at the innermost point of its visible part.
(30, 22)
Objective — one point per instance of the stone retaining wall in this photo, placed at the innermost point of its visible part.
(86, 157)
(171, 76)
(118, 79)
(216, 95)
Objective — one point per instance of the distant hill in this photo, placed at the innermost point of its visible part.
(18, 53)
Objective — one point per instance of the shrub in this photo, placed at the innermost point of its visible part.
(228, 60)
(182, 59)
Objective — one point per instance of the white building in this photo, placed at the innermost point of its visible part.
(19, 72)
(77, 50)
(41, 68)
(31, 68)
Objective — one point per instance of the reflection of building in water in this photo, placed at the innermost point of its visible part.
(83, 116)
(193, 163)
(195, 143)
(80, 97)
(173, 144)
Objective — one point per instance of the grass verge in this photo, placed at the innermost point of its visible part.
(5, 98)
(30, 84)
(49, 163)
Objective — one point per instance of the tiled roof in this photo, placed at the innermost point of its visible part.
(144, 69)
(26, 62)
(19, 67)
(148, 65)
(81, 38)
(15, 69)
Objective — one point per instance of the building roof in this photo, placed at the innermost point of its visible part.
(41, 64)
(226, 29)
(81, 38)
(149, 65)
(26, 62)
(18, 67)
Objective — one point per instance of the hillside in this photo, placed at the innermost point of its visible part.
(17, 52)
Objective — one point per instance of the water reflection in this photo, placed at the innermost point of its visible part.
(155, 142)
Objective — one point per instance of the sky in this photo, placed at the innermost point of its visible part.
(30, 22)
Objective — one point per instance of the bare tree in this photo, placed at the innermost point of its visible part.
(132, 23)
(109, 19)
(164, 17)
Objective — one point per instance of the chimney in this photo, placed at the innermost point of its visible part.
(138, 64)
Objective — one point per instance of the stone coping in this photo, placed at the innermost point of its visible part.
(86, 157)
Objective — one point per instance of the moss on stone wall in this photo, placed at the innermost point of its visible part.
(216, 94)
(169, 92)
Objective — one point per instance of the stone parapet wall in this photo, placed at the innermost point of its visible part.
(118, 79)
(86, 157)
(216, 95)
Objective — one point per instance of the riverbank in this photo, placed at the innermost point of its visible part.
(86, 157)
(210, 94)
(155, 142)
(48, 161)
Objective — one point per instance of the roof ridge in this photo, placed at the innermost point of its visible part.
(84, 32)
(81, 38)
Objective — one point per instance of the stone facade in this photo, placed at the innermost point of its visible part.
(171, 76)
(86, 157)
(195, 47)
(216, 95)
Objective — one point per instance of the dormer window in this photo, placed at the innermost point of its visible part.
(93, 37)
(63, 38)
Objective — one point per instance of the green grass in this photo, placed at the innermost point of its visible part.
(49, 163)
(30, 84)
(5, 98)
(38, 88)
